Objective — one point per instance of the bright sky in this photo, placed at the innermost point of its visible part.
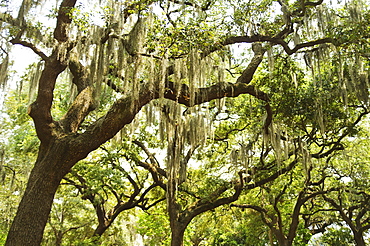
(22, 57)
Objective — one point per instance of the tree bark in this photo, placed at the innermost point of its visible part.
(359, 239)
(58, 238)
(177, 233)
(279, 235)
(52, 164)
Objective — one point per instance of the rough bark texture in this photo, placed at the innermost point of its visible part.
(359, 238)
(34, 209)
(177, 233)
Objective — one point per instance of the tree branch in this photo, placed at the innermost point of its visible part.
(273, 176)
(80, 75)
(40, 110)
(272, 40)
(64, 19)
(263, 212)
(204, 205)
(248, 73)
(76, 114)
(31, 46)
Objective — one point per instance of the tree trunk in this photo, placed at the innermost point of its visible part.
(271, 238)
(53, 162)
(100, 230)
(177, 233)
(282, 240)
(359, 239)
(58, 238)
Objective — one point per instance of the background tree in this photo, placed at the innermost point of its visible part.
(350, 199)
(63, 225)
(115, 177)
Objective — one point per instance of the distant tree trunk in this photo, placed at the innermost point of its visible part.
(58, 238)
(359, 239)
(283, 242)
(177, 234)
(271, 238)
(180, 219)
(35, 206)
(100, 230)
(174, 211)
(280, 237)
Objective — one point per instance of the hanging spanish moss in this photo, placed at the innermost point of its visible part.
(185, 127)
(4, 71)
(320, 116)
(150, 114)
(162, 76)
(273, 138)
(357, 79)
(136, 37)
(2, 161)
(35, 75)
(341, 81)
(23, 10)
(193, 74)
(306, 157)
(271, 61)
(97, 70)
(136, 79)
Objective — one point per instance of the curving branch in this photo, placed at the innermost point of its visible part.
(124, 110)
(272, 40)
(304, 4)
(206, 94)
(150, 155)
(263, 212)
(16, 22)
(211, 202)
(80, 75)
(248, 73)
(272, 177)
(278, 39)
(137, 198)
(352, 214)
(31, 46)
(40, 110)
(79, 109)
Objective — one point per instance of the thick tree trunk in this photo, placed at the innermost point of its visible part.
(35, 206)
(34, 209)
